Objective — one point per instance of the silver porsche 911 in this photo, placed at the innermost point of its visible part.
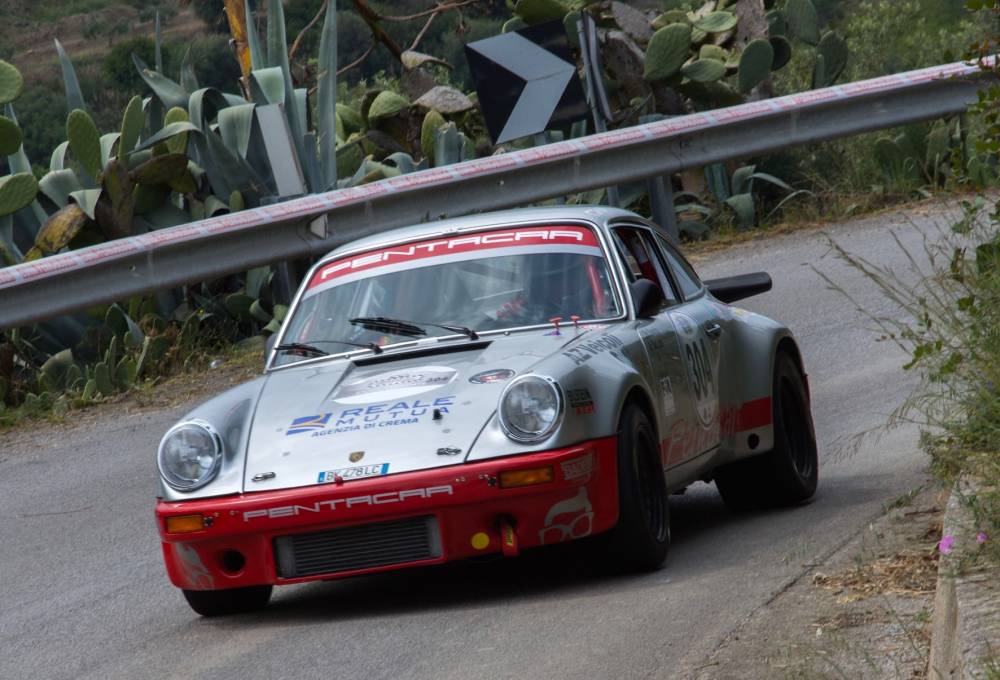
(479, 386)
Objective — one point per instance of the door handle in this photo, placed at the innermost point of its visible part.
(712, 329)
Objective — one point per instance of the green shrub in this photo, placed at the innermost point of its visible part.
(214, 63)
(41, 112)
(120, 71)
(212, 12)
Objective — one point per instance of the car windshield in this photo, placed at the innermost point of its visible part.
(485, 281)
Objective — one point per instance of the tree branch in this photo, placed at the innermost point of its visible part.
(432, 11)
(372, 19)
(356, 62)
(302, 33)
(423, 31)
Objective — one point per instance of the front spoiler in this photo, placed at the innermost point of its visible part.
(466, 500)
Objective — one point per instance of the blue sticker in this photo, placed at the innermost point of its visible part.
(309, 423)
(389, 414)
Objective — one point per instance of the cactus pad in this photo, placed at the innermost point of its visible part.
(11, 82)
(803, 21)
(716, 22)
(674, 16)
(782, 52)
(713, 52)
(353, 122)
(10, 136)
(667, 51)
(84, 141)
(704, 70)
(386, 105)
(60, 229)
(132, 124)
(834, 52)
(432, 121)
(17, 191)
(540, 11)
(755, 64)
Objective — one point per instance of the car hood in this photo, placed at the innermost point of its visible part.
(389, 414)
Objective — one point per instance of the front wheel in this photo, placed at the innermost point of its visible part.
(642, 536)
(788, 473)
(230, 601)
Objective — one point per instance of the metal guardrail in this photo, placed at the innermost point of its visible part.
(210, 248)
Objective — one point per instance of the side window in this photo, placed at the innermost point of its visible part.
(684, 274)
(638, 253)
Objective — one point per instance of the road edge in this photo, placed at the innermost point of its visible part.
(965, 628)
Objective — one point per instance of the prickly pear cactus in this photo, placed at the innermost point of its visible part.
(755, 65)
(10, 136)
(17, 191)
(84, 141)
(704, 70)
(803, 21)
(667, 51)
(831, 60)
(385, 105)
(11, 82)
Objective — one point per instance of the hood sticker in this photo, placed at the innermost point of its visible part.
(496, 375)
(388, 414)
(395, 384)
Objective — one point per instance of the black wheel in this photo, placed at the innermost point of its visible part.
(788, 474)
(641, 538)
(231, 601)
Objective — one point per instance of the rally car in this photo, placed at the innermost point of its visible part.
(478, 386)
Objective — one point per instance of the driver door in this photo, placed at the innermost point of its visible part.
(664, 370)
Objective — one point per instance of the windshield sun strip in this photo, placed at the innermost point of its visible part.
(602, 241)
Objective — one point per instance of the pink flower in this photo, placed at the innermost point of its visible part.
(981, 537)
(945, 546)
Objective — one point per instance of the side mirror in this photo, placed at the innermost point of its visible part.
(269, 345)
(734, 288)
(647, 298)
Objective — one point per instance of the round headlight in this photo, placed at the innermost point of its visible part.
(190, 455)
(530, 408)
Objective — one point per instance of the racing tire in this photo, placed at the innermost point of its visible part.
(788, 473)
(641, 539)
(230, 601)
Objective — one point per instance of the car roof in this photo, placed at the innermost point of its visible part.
(598, 215)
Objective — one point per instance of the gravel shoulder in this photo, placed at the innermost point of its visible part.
(865, 612)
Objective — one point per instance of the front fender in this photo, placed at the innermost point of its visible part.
(595, 390)
(232, 415)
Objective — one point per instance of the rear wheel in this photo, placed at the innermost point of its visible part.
(788, 473)
(230, 601)
(641, 538)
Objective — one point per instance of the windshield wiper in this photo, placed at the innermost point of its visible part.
(303, 347)
(402, 327)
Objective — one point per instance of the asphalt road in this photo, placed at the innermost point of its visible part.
(83, 593)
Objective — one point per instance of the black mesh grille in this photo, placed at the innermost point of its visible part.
(358, 547)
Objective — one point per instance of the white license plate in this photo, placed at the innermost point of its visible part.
(359, 472)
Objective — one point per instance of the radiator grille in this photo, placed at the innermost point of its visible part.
(359, 547)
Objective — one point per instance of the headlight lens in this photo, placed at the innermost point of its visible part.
(531, 408)
(190, 455)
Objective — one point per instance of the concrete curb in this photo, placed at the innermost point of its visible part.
(965, 630)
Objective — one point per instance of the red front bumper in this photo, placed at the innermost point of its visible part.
(464, 502)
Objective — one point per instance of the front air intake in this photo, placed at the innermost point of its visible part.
(364, 546)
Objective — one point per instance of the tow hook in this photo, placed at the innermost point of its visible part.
(508, 537)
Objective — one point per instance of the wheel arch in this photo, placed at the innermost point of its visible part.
(637, 395)
(788, 345)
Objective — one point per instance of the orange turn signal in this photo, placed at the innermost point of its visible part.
(185, 524)
(515, 478)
